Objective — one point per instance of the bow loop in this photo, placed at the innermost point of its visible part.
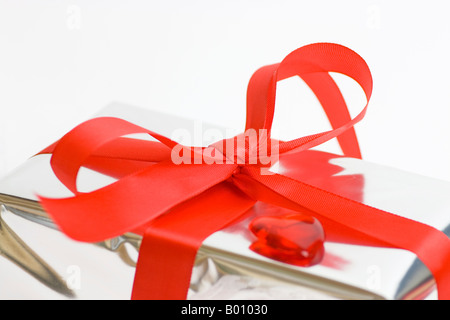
(73, 149)
(312, 63)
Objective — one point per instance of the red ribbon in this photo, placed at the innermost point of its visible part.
(176, 206)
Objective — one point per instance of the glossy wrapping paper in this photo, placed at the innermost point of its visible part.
(40, 262)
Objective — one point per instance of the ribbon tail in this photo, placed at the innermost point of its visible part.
(133, 200)
(430, 245)
(170, 244)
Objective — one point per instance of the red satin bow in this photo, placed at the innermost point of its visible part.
(176, 206)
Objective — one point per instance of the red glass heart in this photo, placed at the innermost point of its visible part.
(295, 238)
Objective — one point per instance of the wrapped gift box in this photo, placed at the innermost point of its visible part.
(40, 262)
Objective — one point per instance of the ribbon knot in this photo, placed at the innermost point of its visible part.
(248, 148)
(175, 196)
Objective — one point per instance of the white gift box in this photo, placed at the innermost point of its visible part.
(40, 262)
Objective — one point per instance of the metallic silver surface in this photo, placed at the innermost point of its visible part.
(225, 267)
(15, 250)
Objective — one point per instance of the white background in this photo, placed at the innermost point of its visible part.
(62, 61)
